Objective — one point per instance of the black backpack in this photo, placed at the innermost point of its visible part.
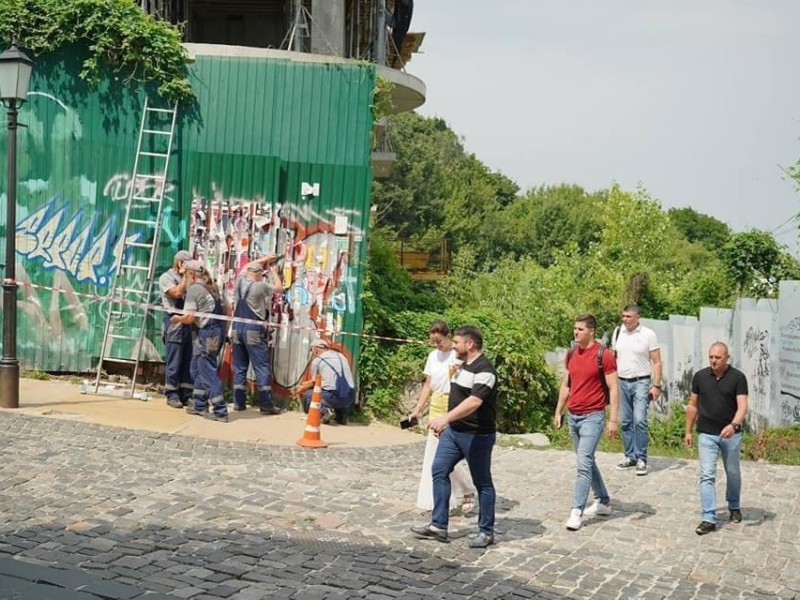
(600, 373)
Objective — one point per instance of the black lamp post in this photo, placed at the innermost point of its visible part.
(15, 75)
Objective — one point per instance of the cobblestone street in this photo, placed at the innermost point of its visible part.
(91, 511)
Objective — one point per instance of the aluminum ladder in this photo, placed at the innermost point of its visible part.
(128, 302)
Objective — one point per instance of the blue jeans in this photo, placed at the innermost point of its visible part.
(476, 448)
(633, 401)
(709, 446)
(585, 431)
(250, 347)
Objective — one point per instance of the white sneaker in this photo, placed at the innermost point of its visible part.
(597, 508)
(641, 467)
(574, 521)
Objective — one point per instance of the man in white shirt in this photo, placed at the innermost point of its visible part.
(639, 375)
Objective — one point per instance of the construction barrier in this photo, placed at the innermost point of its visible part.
(311, 435)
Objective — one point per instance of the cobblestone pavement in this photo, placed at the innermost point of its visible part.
(122, 513)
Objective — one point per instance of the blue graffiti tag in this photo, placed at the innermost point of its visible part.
(69, 244)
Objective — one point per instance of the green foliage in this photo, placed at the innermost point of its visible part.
(388, 287)
(756, 263)
(382, 102)
(779, 446)
(118, 34)
(435, 184)
(543, 222)
(524, 266)
(527, 389)
(697, 227)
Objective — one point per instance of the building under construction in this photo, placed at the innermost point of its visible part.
(277, 155)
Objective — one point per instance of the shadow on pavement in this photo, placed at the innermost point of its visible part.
(98, 560)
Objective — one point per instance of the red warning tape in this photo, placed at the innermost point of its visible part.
(158, 308)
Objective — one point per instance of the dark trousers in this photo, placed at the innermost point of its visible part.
(208, 387)
(476, 448)
(250, 348)
(178, 382)
(330, 402)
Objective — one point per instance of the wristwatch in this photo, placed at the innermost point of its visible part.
(737, 427)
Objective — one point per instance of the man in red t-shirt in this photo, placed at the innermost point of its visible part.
(584, 395)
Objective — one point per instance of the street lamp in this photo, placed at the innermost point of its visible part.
(15, 75)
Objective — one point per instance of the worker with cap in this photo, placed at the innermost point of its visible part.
(177, 337)
(330, 364)
(208, 333)
(252, 299)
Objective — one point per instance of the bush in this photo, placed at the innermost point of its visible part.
(781, 446)
(527, 389)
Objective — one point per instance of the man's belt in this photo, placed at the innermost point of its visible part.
(634, 378)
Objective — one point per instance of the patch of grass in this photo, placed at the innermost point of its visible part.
(779, 446)
(40, 375)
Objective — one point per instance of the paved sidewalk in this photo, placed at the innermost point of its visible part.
(63, 400)
(92, 511)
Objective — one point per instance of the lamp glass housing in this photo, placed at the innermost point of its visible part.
(15, 75)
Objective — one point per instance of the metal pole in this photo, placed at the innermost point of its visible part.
(298, 15)
(380, 33)
(9, 365)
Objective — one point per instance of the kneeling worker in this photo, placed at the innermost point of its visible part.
(330, 364)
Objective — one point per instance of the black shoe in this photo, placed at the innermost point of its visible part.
(482, 540)
(428, 531)
(341, 420)
(193, 411)
(237, 407)
(705, 527)
(175, 403)
(736, 515)
(271, 410)
(213, 417)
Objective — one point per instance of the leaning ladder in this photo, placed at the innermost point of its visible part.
(129, 299)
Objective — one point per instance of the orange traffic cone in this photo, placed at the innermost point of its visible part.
(311, 437)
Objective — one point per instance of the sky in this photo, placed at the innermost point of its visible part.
(697, 102)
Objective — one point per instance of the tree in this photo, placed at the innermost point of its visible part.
(543, 221)
(436, 187)
(697, 227)
(756, 263)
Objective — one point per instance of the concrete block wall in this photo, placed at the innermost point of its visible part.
(764, 341)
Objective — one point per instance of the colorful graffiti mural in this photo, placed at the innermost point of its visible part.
(75, 159)
(315, 250)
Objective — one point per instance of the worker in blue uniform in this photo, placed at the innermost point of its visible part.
(208, 333)
(252, 297)
(177, 337)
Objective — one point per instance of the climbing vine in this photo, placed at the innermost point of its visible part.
(118, 34)
(382, 102)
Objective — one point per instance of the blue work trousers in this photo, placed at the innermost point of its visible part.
(178, 382)
(250, 348)
(208, 387)
(330, 401)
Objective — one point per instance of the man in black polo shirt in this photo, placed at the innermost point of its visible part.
(467, 431)
(718, 403)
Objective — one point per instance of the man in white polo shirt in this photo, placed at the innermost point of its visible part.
(639, 375)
